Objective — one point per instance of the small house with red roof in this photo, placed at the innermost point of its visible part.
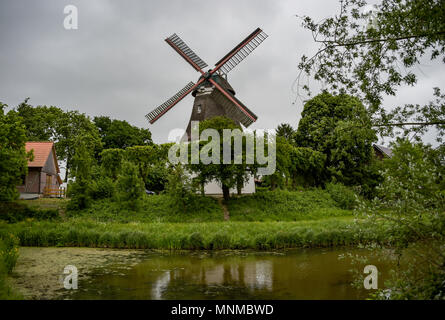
(43, 171)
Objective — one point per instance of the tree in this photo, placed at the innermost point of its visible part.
(411, 201)
(120, 134)
(40, 122)
(339, 127)
(130, 186)
(371, 53)
(228, 175)
(82, 164)
(44, 123)
(179, 187)
(71, 128)
(13, 156)
(286, 131)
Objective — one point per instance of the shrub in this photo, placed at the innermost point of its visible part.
(130, 186)
(341, 194)
(9, 252)
(13, 212)
(102, 188)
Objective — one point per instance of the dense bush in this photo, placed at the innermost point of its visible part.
(102, 188)
(13, 212)
(344, 196)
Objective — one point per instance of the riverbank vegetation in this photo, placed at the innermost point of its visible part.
(8, 259)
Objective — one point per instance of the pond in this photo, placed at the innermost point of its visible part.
(138, 274)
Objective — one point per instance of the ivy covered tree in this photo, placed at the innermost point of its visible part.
(339, 127)
(370, 52)
(130, 186)
(13, 156)
(83, 161)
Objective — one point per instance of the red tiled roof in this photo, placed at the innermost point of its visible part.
(42, 151)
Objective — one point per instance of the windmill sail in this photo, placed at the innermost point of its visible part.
(167, 105)
(235, 109)
(176, 43)
(240, 52)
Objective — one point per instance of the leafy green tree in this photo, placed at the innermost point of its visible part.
(111, 162)
(13, 156)
(44, 123)
(228, 175)
(40, 122)
(411, 200)
(130, 186)
(306, 166)
(339, 127)
(180, 188)
(83, 162)
(280, 177)
(371, 53)
(72, 127)
(120, 134)
(286, 131)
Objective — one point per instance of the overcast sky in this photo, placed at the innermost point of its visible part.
(117, 63)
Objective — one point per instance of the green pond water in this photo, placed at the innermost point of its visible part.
(133, 274)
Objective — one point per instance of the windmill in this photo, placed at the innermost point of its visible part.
(213, 94)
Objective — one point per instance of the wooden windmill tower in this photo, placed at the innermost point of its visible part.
(213, 94)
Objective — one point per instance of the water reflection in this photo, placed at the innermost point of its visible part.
(298, 274)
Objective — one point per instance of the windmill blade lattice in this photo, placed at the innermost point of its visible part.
(167, 105)
(236, 109)
(191, 57)
(241, 51)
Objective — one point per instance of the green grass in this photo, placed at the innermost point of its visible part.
(282, 205)
(157, 208)
(264, 206)
(207, 235)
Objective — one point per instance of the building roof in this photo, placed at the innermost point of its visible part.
(42, 150)
(386, 151)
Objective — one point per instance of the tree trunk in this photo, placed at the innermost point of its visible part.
(226, 192)
(202, 189)
(239, 187)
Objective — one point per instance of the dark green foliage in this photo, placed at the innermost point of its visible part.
(339, 127)
(119, 134)
(129, 185)
(285, 131)
(83, 163)
(102, 187)
(344, 196)
(111, 161)
(13, 212)
(13, 156)
(228, 175)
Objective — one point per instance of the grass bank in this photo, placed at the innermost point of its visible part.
(81, 232)
(264, 206)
